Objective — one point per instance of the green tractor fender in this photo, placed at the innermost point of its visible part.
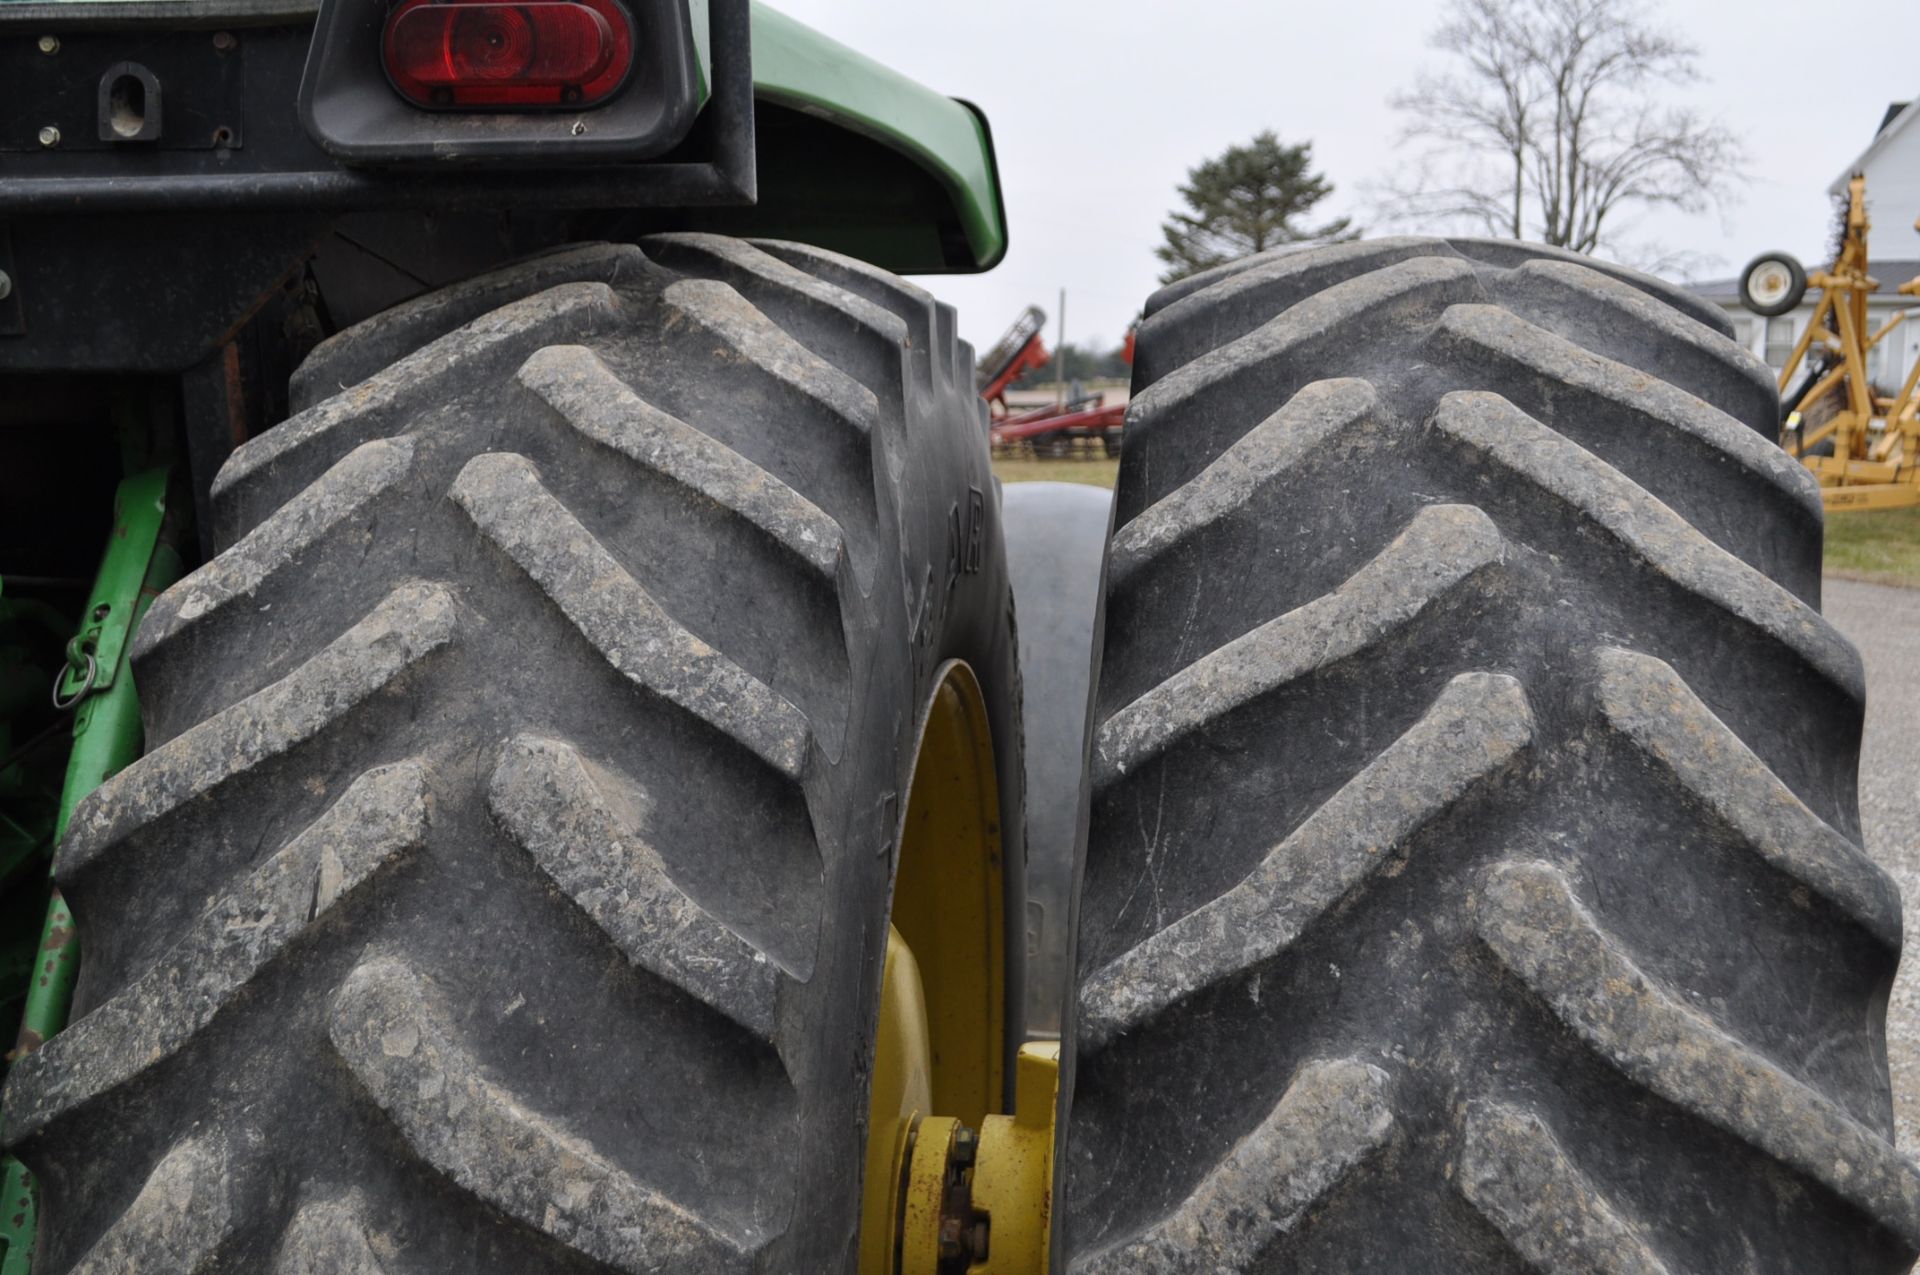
(856, 157)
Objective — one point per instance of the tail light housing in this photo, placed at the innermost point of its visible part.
(487, 55)
(530, 84)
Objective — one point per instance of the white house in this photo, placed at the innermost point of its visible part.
(1892, 166)
(1891, 163)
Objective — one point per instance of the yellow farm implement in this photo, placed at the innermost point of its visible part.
(1864, 446)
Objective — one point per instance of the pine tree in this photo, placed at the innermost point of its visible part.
(1242, 202)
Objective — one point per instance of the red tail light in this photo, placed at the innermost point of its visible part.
(479, 53)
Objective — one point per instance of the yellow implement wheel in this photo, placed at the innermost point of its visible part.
(953, 1181)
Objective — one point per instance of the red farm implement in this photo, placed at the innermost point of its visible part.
(1055, 429)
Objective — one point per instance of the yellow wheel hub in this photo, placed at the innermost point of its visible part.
(954, 1183)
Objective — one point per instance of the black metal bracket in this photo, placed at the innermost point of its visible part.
(13, 311)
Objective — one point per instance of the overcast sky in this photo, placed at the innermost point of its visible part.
(1098, 109)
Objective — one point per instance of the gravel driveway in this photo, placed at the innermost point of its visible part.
(1885, 624)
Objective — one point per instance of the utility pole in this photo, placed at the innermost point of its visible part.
(1060, 357)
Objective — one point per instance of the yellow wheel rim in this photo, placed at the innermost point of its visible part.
(949, 897)
(970, 1188)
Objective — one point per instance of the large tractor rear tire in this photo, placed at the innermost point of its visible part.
(1475, 879)
(505, 886)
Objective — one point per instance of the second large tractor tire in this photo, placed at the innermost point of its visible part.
(505, 885)
(1475, 879)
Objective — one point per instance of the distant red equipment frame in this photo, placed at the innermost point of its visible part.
(1021, 351)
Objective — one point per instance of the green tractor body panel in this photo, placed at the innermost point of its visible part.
(797, 67)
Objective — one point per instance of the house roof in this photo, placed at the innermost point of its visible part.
(1890, 128)
(1891, 274)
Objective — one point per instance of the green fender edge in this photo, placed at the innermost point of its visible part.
(798, 68)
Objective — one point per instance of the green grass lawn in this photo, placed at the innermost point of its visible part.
(1096, 473)
(1883, 547)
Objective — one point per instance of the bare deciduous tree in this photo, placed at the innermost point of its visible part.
(1546, 124)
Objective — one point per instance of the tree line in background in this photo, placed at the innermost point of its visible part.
(1546, 123)
(1083, 363)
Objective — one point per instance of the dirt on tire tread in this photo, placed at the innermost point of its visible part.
(1575, 939)
(503, 886)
